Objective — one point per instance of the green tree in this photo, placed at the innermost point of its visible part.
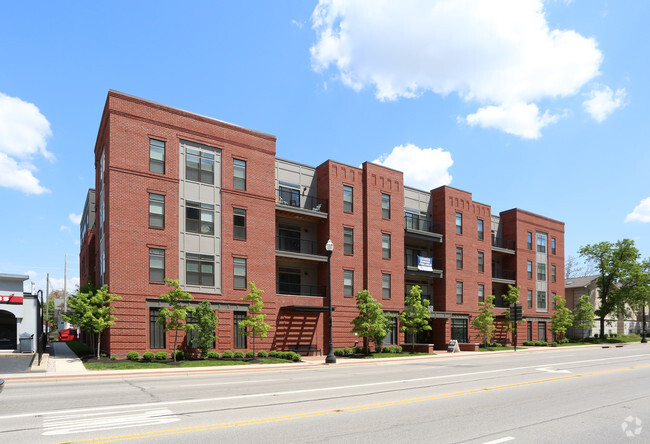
(512, 297)
(484, 321)
(254, 325)
(614, 262)
(635, 287)
(91, 309)
(371, 321)
(583, 315)
(174, 316)
(206, 323)
(561, 319)
(415, 317)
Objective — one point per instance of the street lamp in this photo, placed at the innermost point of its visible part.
(329, 247)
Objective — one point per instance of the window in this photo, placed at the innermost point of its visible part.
(459, 292)
(481, 259)
(530, 330)
(541, 272)
(239, 223)
(348, 283)
(385, 245)
(385, 286)
(541, 331)
(199, 269)
(156, 156)
(239, 174)
(553, 300)
(199, 166)
(541, 243)
(156, 210)
(156, 265)
(459, 330)
(239, 272)
(289, 281)
(348, 240)
(552, 245)
(459, 223)
(480, 229)
(530, 298)
(290, 196)
(541, 301)
(481, 293)
(385, 206)
(347, 198)
(459, 258)
(553, 273)
(156, 331)
(529, 240)
(529, 269)
(391, 337)
(199, 218)
(238, 332)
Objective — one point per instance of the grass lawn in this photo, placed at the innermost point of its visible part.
(498, 347)
(140, 365)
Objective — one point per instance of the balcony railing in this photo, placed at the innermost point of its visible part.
(503, 274)
(411, 260)
(500, 242)
(414, 222)
(300, 289)
(296, 245)
(292, 198)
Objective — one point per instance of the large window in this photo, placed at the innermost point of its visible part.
(156, 156)
(238, 332)
(239, 223)
(480, 229)
(385, 206)
(530, 298)
(385, 245)
(348, 240)
(542, 304)
(199, 166)
(289, 280)
(156, 265)
(459, 258)
(347, 198)
(239, 174)
(156, 331)
(541, 272)
(459, 330)
(481, 261)
(391, 337)
(156, 210)
(385, 286)
(541, 243)
(348, 283)
(481, 293)
(552, 245)
(459, 292)
(529, 269)
(553, 273)
(529, 240)
(290, 196)
(239, 272)
(459, 223)
(199, 218)
(199, 269)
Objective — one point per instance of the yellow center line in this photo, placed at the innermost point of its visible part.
(250, 422)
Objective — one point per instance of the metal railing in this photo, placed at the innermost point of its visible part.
(500, 242)
(415, 222)
(296, 245)
(300, 289)
(292, 198)
(503, 274)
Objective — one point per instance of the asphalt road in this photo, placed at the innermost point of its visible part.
(566, 395)
(15, 363)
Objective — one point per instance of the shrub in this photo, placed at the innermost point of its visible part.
(356, 349)
(227, 354)
(213, 354)
(113, 358)
(554, 344)
(273, 354)
(614, 341)
(148, 356)
(398, 349)
(133, 356)
(161, 356)
(596, 335)
(250, 354)
(180, 355)
(347, 351)
(262, 354)
(295, 357)
(239, 354)
(338, 352)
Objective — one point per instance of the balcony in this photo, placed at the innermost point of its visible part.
(503, 245)
(422, 228)
(503, 276)
(297, 248)
(411, 265)
(297, 289)
(291, 201)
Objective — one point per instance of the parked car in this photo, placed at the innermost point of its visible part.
(69, 334)
(2, 384)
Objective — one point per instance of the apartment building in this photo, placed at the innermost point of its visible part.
(188, 197)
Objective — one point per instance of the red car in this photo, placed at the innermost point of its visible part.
(69, 334)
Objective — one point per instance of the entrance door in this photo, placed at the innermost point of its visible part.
(7, 331)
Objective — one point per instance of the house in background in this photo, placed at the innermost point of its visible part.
(20, 321)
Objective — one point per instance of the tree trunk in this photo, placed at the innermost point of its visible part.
(99, 338)
(175, 342)
(412, 343)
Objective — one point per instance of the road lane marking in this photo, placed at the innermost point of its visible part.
(295, 392)
(296, 416)
(226, 383)
(66, 425)
(550, 370)
(500, 440)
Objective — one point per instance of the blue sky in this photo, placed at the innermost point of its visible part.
(537, 105)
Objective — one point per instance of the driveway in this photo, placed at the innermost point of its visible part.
(15, 363)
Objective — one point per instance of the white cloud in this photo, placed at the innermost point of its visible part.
(23, 135)
(297, 24)
(75, 218)
(602, 102)
(423, 168)
(641, 212)
(520, 119)
(494, 53)
(64, 228)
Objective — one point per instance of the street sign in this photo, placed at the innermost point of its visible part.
(516, 313)
(453, 346)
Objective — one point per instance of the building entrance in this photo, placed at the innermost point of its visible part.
(7, 330)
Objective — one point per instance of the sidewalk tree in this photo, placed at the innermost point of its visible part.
(635, 287)
(90, 308)
(371, 321)
(510, 298)
(484, 321)
(254, 325)
(583, 315)
(205, 321)
(174, 315)
(415, 317)
(561, 319)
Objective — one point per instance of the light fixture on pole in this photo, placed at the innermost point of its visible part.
(329, 247)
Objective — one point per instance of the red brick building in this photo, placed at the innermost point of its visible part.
(193, 198)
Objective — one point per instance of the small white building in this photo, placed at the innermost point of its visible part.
(20, 319)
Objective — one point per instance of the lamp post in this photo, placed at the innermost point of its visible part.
(644, 340)
(329, 247)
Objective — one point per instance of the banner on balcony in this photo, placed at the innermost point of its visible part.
(425, 263)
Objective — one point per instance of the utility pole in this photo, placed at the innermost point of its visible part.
(65, 286)
(47, 304)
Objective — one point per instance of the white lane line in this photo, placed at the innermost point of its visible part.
(500, 440)
(92, 423)
(293, 392)
(226, 383)
(550, 370)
